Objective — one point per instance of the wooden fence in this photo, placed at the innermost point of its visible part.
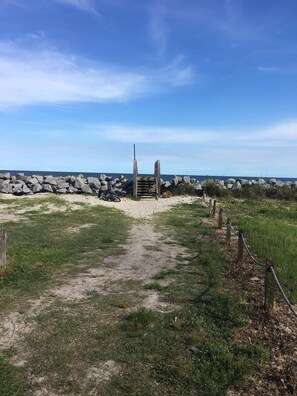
(271, 281)
(3, 239)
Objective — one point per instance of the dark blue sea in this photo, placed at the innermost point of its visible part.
(130, 175)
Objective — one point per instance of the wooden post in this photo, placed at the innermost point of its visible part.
(158, 178)
(269, 287)
(228, 234)
(214, 208)
(240, 246)
(135, 174)
(204, 197)
(210, 205)
(3, 239)
(220, 223)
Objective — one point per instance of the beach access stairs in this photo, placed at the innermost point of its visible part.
(147, 186)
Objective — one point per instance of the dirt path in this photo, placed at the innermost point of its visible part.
(146, 253)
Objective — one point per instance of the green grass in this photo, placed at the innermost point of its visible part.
(156, 355)
(150, 349)
(45, 244)
(163, 274)
(271, 230)
(42, 248)
(12, 379)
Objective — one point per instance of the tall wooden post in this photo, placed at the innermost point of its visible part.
(3, 239)
(214, 208)
(210, 205)
(135, 174)
(204, 197)
(240, 246)
(269, 287)
(228, 233)
(220, 222)
(158, 178)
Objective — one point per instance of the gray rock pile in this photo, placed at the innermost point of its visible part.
(26, 185)
(229, 184)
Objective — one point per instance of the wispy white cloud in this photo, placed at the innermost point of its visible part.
(268, 69)
(83, 5)
(156, 135)
(280, 135)
(47, 76)
(158, 29)
(14, 3)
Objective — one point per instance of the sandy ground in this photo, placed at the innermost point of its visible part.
(142, 209)
(140, 261)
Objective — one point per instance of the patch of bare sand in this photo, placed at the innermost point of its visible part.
(142, 209)
(135, 263)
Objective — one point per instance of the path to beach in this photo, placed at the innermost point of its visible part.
(146, 252)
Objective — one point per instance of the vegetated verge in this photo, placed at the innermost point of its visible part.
(189, 350)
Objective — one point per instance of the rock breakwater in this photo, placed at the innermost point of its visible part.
(22, 184)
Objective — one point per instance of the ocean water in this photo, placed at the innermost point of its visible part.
(165, 177)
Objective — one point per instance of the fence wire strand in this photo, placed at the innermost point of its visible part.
(233, 230)
(283, 293)
(263, 265)
(250, 254)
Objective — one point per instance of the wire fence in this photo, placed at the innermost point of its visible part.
(270, 278)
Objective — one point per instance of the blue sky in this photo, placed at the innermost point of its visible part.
(207, 86)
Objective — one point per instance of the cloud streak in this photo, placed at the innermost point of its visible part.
(281, 135)
(47, 76)
(83, 5)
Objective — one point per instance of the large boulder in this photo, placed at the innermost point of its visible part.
(186, 180)
(5, 176)
(39, 178)
(51, 180)
(72, 190)
(86, 189)
(32, 181)
(94, 182)
(176, 180)
(6, 187)
(17, 189)
(21, 176)
(36, 188)
(79, 183)
(26, 190)
(62, 184)
(61, 190)
(261, 181)
(47, 188)
(279, 183)
(197, 186)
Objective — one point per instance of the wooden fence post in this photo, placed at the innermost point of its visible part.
(228, 233)
(240, 246)
(269, 287)
(3, 239)
(221, 218)
(158, 178)
(204, 197)
(135, 175)
(214, 208)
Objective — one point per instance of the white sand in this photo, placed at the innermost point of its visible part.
(137, 209)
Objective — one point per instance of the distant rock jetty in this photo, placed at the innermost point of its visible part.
(28, 185)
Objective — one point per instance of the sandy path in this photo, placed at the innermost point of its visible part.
(145, 254)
